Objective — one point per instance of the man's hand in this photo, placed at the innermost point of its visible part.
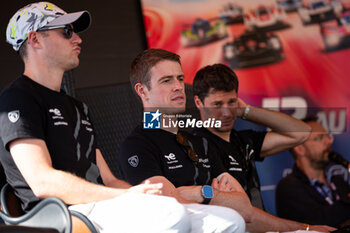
(241, 105)
(222, 186)
(226, 183)
(286, 131)
(147, 188)
(166, 188)
(322, 228)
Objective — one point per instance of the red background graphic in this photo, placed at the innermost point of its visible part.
(307, 71)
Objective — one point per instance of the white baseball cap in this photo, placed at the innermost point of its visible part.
(42, 14)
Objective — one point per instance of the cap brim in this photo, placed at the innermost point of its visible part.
(81, 20)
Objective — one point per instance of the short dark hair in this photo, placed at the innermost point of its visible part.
(218, 76)
(143, 63)
(307, 119)
(23, 50)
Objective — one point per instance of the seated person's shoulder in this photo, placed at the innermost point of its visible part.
(189, 135)
(249, 135)
(19, 96)
(200, 134)
(194, 138)
(16, 103)
(15, 93)
(136, 133)
(287, 179)
(136, 140)
(288, 182)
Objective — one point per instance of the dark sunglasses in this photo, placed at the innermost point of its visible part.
(68, 29)
(184, 142)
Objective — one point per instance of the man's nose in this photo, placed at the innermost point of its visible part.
(178, 85)
(329, 139)
(225, 111)
(76, 38)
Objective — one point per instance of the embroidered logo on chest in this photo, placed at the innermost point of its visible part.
(233, 161)
(171, 159)
(234, 165)
(87, 125)
(56, 115)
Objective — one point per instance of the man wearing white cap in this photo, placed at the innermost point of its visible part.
(48, 144)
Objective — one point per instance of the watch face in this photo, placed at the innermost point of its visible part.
(207, 191)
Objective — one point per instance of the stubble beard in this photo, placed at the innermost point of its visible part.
(223, 130)
(323, 161)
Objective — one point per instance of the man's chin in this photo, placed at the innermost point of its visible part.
(180, 109)
(72, 65)
(174, 110)
(223, 129)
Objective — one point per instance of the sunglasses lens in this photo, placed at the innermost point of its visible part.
(68, 31)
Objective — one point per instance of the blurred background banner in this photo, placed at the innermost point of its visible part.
(289, 55)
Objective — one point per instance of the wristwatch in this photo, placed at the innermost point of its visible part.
(207, 193)
(246, 111)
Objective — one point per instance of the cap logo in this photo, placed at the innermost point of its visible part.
(13, 116)
(134, 161)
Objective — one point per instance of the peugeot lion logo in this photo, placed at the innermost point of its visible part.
(134, 161)
(13, 116)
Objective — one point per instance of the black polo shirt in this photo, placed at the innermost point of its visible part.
(30, 110)
(155, 152)
(239, 156)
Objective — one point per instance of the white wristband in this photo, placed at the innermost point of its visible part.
(246, 111)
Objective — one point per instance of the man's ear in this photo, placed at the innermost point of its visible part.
(198, 102)
(299, 150)
(141, 90)
(33, 39)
